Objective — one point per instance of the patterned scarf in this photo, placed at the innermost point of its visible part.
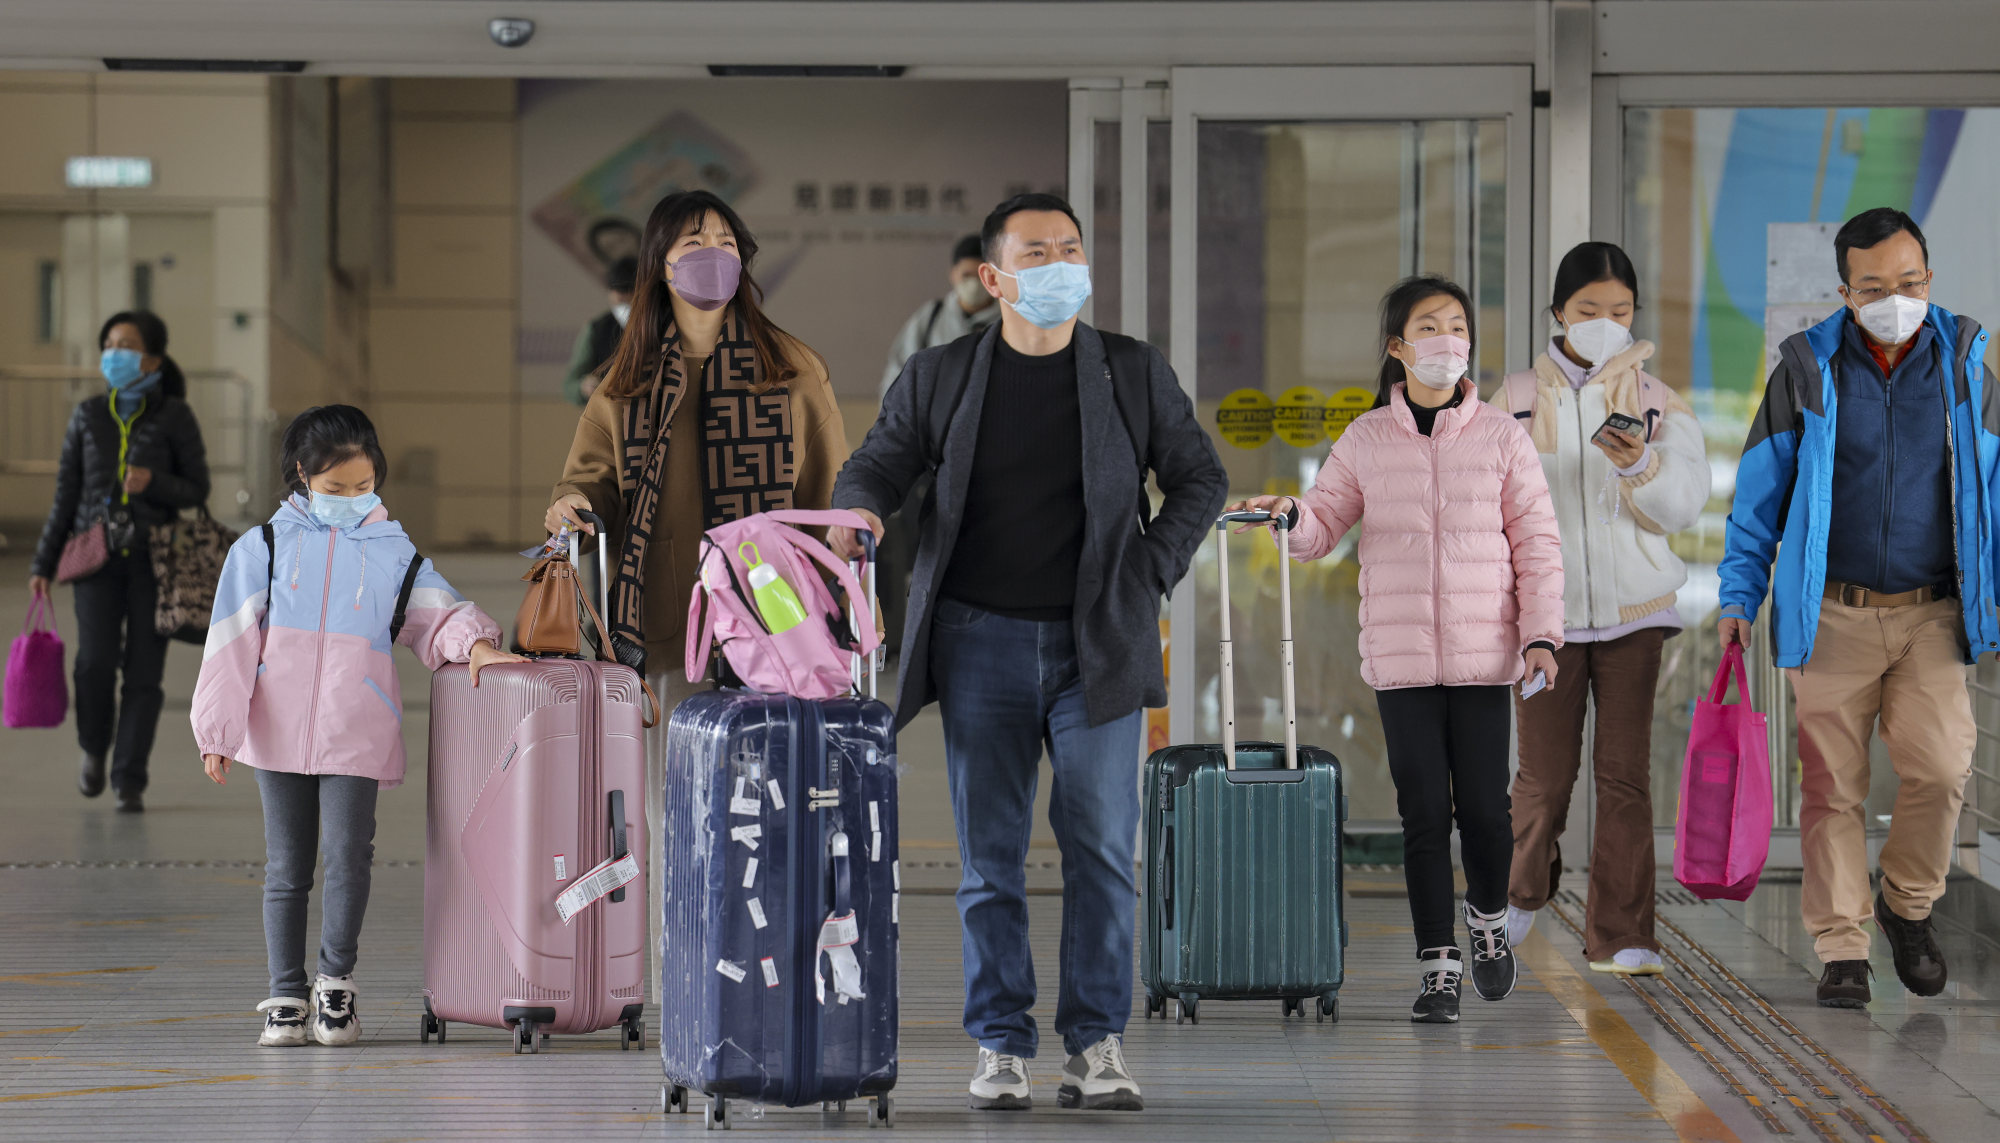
(748, 462)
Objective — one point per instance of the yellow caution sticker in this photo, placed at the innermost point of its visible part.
(1343, 407)
(1244, 418)
(1300, 418)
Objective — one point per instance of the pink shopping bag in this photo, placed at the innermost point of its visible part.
(35, 693)
(1723, 833)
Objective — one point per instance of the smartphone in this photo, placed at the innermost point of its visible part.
(1536, 685)
(1631, 426)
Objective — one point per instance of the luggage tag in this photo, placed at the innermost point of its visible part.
(837, 938)
(613, 873)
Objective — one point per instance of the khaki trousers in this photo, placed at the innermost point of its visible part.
(672, 687)
(1621, 674)
(1905, 666)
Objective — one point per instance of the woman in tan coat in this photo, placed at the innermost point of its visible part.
(707, 413)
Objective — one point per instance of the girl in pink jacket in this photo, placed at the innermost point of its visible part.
(297, 682)
(1461, 597)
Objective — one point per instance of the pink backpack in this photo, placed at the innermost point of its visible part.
(813, 660)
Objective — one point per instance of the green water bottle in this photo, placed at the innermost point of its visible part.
(776, 601)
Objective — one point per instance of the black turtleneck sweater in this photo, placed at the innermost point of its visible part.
(1427, 418)
(1022, 536)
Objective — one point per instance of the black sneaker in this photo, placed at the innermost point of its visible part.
(90, 774)
(1437, 1000)
(129, 802)
(1493, 965)
(1919, 957)
(1844, 984)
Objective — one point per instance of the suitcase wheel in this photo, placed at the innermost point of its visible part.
(883, 1114)
(1288, 1005)
(1154, 1005)
(632, 1033)
(1329, 1008)
(429, 1026)
(525, 1039)
(717, 1116)
(1189, 1009)
(673, 1098)
(833, 1107)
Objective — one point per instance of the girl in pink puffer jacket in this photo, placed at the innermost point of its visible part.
(1461, 597)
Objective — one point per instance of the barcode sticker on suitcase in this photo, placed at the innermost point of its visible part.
(731, 970)
(757, 913)
(896, 875)
(612, 874)
(875, 845)
(745, 804)
(770, 968)
(777, 794)
(562, 868)
(895, 908)
(747, 834)
(874, 818)
(750, 873)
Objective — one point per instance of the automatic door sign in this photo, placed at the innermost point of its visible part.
(1300, 418)
(1343, 407)
(1244, 418)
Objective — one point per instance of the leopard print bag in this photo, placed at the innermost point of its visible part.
(187, 564)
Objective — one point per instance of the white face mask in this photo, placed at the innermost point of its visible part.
(972, 295)
(622, 312)
(1597, 340)
(1895, 319)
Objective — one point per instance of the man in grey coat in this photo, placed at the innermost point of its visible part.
(1034, 620)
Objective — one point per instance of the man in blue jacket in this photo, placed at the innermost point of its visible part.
(1873, 459)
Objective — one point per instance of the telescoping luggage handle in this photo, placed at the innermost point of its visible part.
(866, 570)
(604, 601)
(1282, 525)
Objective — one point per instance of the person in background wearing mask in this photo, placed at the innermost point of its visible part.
(1618, 493)
(966, 309)
(598, 339)
(1869, 459)
(1034, 620)
(131, 459)
(1461, 598)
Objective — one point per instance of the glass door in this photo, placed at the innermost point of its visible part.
(1299, 196)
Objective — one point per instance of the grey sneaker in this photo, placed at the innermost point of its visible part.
(284, 1022)
(334, 1021)
(1001, 1083)
(1095, 1079)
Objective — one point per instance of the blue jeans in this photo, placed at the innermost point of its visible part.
(1008, 688)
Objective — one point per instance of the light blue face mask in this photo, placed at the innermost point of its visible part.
(343, 511)
(1051, 294)
(120, 367)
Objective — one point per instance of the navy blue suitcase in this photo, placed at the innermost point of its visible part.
(780, 821)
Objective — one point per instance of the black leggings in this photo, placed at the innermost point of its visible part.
(1448, 756)
(115, 636)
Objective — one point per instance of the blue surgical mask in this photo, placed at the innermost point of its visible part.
(1051, 294)
(121, 367)
(343, 511)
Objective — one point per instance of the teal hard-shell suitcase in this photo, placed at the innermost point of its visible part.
(1243, 892)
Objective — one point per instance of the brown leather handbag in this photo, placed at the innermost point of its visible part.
(550, 621)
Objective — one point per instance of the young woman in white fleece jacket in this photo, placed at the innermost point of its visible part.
(1618, 496)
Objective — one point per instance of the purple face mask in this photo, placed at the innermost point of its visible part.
(706, 278)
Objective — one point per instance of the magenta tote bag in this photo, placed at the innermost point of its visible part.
(1723, 833)
(35, 693)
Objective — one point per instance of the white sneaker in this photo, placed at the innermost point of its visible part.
(1519, 923)
(1001, 1083)
(1631, 962)
(1095, 1079)
(334, 1021)
(284, 1022)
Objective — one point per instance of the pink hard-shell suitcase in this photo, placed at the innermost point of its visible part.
(537, 781)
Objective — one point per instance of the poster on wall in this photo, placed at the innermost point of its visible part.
(855, 190)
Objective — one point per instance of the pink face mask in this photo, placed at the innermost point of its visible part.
(1441, 360)
(706, 278)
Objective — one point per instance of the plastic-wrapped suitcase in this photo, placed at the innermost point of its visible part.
(534, 871)
(1243, 888)
(780, 883)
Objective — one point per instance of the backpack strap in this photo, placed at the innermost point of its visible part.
(1127, 359)
(403, 594)
(270, 559)
(954, 374)
(1520, 391)
(930, 323)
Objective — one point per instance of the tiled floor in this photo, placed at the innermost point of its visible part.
(131, 955)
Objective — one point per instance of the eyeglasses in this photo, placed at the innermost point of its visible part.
(1915, 289)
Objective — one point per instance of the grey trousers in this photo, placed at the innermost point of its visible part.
(304, 814)
(672, 687)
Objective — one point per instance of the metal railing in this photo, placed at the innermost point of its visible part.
(35, 407)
